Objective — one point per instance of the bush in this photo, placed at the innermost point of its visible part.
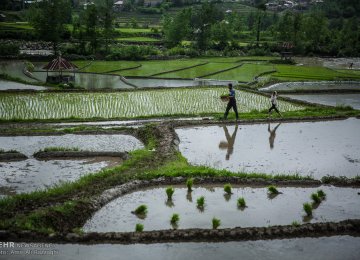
(183, 51)
(9, 49)
(132, 53)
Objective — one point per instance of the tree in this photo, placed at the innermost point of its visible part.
(91, 20)
(49, 17)
(107, 18)
(260, 14)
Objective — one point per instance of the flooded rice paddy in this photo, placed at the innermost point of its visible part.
(262, 210)
(322, 85)
(32, 174)
(10, 85)
(128, 104)
(307, 148)
(323, 248)
(352, 100)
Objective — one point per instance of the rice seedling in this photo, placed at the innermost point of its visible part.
(139, 227)
(216, 223)
(140, 211)
(295, 224)
(175, 219)
(321, 194)
(273, 190)
(315, 197)
(169, 192)
(189, 184)
(227, 188)
(200, 202)
(241, 203)
(308, 209)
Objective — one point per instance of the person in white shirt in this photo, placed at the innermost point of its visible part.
(273, 100)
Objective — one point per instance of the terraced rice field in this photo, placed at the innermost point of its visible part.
(105, 66)
(128, 104)
(245, 73)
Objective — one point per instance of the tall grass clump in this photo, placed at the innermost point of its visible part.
(315, 197)
(216, 223)
(308, 209)
(241, 203)
(169, 192)
(200, 202)
(174, 220)
(189, 184)
(227, 188)
(141, 210)
(139, 227)
(321, 194)
(273, 190)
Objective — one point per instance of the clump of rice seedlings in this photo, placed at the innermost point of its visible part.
(140, 211)
(315, 197)
(308, 209)
(216, 223)
(174, 219)
(295, 224)
(169, 192)
(227, 188)
(61, 149)
(200, 202)
(189, 183)
(273, 190)
(321, 194)
(139, 227)
(241, 203)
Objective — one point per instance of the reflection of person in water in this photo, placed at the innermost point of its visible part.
(272, 135)
(229, 145)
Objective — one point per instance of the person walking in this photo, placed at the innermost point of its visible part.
(273, 101)
(231, 103)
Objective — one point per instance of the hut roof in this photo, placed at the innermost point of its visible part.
(60, 64)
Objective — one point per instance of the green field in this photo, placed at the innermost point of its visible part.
(15, 26)
(245, 73)
(295, 73)
(105, 66)
(137, 39)
(128, 104)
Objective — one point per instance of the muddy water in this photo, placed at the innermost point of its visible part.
(9, 85)
(341, 204)
(31, 174)
(324, 248)
(308, 148)
(324, 85)
(352, 100)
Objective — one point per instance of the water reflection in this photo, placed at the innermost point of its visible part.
(272, 135)
(229, 145)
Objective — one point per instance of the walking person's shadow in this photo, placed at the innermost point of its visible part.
(229, 145)
(272, 135)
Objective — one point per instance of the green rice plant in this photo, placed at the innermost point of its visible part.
(141, 210)
(295, 224)
(139, 227)
(241, 203)
(308, 209)
(321, 194)
(61, 149)
(189, 184)
(273, 190)
(315, 197)
(174, 219)
(215, 223)
(227, 188)
(200, 202)
(169, 192)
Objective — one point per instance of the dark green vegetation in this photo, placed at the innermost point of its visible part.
(215, 223)
(169, 192)
(241, 203)
(273, 190)
(308, 209)
(200, 203)
(139, 228)
(189, 184)
(227, 188)
(315, 197)
(141, 210)
(60, 149)
(174, 220)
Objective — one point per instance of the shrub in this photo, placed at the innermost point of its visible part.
(215, 223)
(141, 210)
(308, 209)
(189, 184)
(241, 203)
(227, 188)
(169, 192)
(139, 227)
(9, 49)
(273, 190)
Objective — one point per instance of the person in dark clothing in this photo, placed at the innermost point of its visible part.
(231, 103)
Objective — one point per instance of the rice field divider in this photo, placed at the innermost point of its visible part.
(129, 68)
(221, 71)
(184, 68)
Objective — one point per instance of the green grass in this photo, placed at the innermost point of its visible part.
(137, 39)
(133, 30)
(245, 73)
(15, 25)
(60, 149)
(296, 73)
(133, 104)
